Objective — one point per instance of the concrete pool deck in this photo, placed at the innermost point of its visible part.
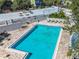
(15, 35)
(63, 46)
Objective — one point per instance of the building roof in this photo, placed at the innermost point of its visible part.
(22, 14)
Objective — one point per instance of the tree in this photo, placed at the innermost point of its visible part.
(75, 11)
(57, 2)
(75, 28)
(75, 16)
(21, 4)
(6, 5)
(47, 2)
(52, 2)
(14, 5)
(1, 2)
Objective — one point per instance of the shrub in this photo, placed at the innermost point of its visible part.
(61, 14)
(69, 53)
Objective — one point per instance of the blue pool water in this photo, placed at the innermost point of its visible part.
(40, 41)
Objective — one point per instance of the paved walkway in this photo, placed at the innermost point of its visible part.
(63, 46)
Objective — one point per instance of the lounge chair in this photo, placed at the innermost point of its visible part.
(28, 22)
(7, 55)
(49, 21)
(24, 26)
(52, 21)
(56, 21)
(60, 21)
(9, 39)
(1, 44)
(3, 36)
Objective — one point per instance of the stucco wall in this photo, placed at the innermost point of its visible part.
(10, 27)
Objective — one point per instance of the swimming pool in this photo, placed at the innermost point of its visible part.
(40, 41)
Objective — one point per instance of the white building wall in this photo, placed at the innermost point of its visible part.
(19, 22)
(10, 27)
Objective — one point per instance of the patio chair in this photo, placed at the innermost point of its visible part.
(53, 21)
